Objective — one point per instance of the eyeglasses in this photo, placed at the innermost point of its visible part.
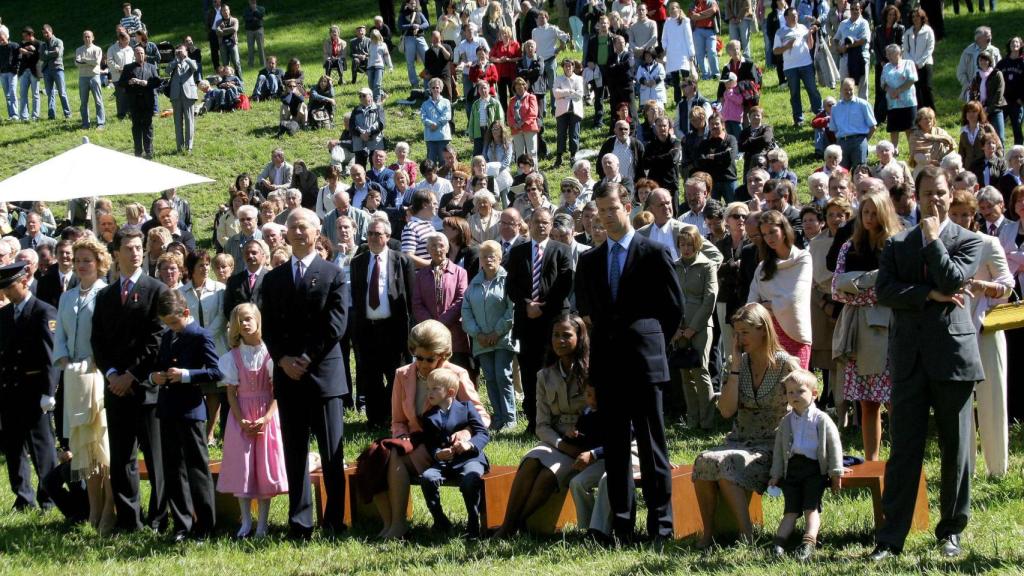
(736, 216)
(427, 359)
(376, 234)
(506, 223)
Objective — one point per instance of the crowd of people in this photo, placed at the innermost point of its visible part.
(702, 281)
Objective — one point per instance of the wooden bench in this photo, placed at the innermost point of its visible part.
(225, 506)
(497, 484)
(871, 475)
(686, 520)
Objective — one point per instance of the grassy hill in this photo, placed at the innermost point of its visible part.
(227, 144)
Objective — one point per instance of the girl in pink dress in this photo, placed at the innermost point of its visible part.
(253, 465)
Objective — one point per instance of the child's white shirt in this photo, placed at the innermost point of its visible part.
(805, 432)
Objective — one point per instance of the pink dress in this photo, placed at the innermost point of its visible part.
(252, 468)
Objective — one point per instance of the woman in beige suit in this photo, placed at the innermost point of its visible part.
(698, 277)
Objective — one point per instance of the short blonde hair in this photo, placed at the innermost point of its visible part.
(490, 247)
(444, 377)
(224, 258)
(171, 257)
(235, 325)
(737, 208)
(99, 251)
(161, 233)
(431, 335)
(802, 377)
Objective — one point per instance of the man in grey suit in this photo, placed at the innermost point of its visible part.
(935, 364)
(183, 95)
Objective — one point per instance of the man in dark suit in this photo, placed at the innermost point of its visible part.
(620, 81)
(923, 274)
(539, 282)
(28, 383)
(305, 309)
(187, 358)
(628, 292)
(125, 341)
(779, 195)
(59, 276)
(140, 80)
(246, 284)
(381, 309)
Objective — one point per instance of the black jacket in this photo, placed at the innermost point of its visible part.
(27, 371)
(237, 290)
(555, 283)
(662, 160)
(399, 287)
(191, 349)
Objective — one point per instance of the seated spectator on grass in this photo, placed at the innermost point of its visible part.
(269, 82)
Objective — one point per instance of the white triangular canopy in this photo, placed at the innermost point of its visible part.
(89, 170)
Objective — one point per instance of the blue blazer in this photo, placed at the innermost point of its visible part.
(27, 371)
(191, 349)
(438, 429)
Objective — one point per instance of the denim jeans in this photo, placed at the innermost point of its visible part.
(805, 74)
(995, 118)
(549, 79)
(435, 151)
(54, 80)
(415, 48)
(855, 151)
(86, 87)
(10, 86)
(497, 369)
(26, 80)
(724, 190)
(374, 77)
(267, 86)
(707, 56)
(229, 57)
(741, 32)
(567, 127)
(1015, 114)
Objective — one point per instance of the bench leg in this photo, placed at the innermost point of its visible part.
(495, 491)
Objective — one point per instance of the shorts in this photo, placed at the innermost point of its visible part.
(803, 485)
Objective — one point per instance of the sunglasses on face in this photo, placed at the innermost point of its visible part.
(427, 359)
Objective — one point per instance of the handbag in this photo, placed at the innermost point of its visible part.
(684, 358)
(1008, 316)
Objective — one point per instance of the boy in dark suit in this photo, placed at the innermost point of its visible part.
(187, 358)
(460, 458)
(28, 384)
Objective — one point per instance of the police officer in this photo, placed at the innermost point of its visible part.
(28, 383)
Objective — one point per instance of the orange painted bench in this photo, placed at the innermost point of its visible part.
(871, 475)
(686, 520)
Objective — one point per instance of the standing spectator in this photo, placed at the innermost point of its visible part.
(539, 281)
(334, 53)
(253, 16)
(436, 114)
(366, 124)
(549, 39)
(139, 81)
(661, 157)
(988, 87)
(782, 284)
(627, 149)
(125, 340)
(716, 156)
(505, 54)
(974, 125)
(52, 60)
(919, 45)
(568, 92)
(704, 16)
(599, 56)
(437, 64)
(523, 120)
(130, 22)
(620, 80)
(381, 308)
(853, 123)
(378, 57)
(888, 30)
(650, 75)
(438, 292)
(10, 60)
(677, 41)
(119, 55)
(30, 51)
(897, 79)
(464, 57)
(853, 38)
(740, 14)
(740, 65)
(933, 365)
(643, 33)
(484, 111)
(794, 43)
(358, 51)
(88, 58)
(756, 139)
(928, 144)
(413, 24)
(227, 31)
(1012, 67)
(867, 375)
(483, 69)
(967, 69)
(183, 98)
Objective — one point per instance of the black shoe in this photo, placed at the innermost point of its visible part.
(950, 546)
(600, 538)
(804, 552)
(297, 533)
(558, 162)
(882, 552)
(777, 551)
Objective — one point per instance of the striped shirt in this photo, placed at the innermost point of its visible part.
(414, 237)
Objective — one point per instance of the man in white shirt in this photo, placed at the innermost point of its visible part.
(854, 33)
(119, 55)
(277, 175)
(88, 58)
(696, 191)
(794, 42)
(465, 56)
(547, 36)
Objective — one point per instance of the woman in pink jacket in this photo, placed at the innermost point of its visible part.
(522, 120)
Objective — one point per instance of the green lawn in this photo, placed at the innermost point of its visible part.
(227, 144)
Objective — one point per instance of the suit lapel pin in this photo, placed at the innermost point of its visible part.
(135, 298)
(312, 283)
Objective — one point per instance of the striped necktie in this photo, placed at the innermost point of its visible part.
(538, 260)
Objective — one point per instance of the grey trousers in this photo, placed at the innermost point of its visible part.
(912, 400)
(184, 123)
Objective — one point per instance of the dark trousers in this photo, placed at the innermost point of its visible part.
(379, 352)
(567, 128)
(923, 88)
(675, 79)
(324, 418)
(470, 484)
(336, 64)
(142, 131)
(27, 427)
(970, 6)
(911, 400)
(132, 426)
(533, 343)
(638, 412)
(68, 495)
(121, 102)
(189, 484)
(214, 41)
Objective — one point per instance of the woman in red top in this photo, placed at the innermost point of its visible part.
(523, 121)
(505, 54)
(484, 70)
(656, 11)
